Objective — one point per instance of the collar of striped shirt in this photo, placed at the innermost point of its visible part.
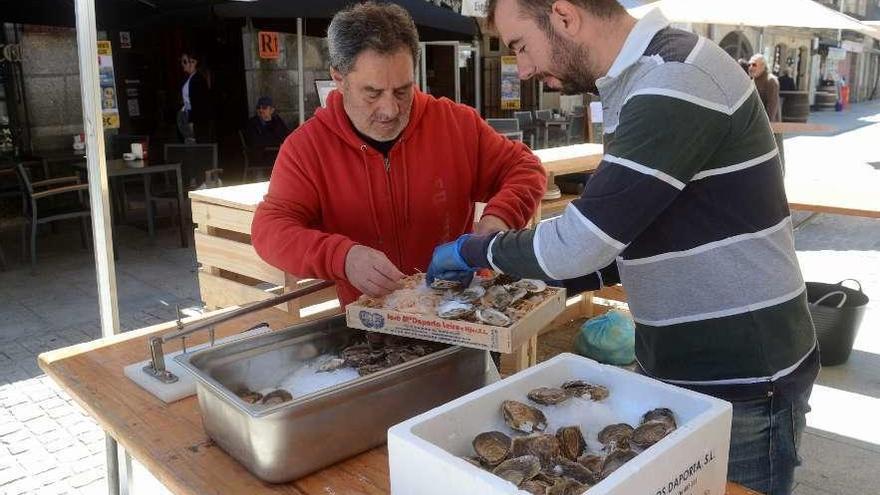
(636, 44)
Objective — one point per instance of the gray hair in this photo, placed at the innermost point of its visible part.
(384, 28)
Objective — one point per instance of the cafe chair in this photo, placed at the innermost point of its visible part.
(254, 160)
(53, 200)
(527, 125)
(198, 170)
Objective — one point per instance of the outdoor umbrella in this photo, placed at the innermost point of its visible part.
(785, 13)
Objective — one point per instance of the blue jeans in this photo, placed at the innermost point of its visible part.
(765, 437)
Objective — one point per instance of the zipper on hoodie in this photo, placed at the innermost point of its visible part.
(393, 209)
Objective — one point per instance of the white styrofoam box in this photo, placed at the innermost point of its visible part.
(424, 452)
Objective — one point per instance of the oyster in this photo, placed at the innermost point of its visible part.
(615, 433)
(535, 487)
(505, 279)
(470, 295)
(571, 442)
(522, 417)
(531, 285)
(493, 317)
(331, 364)
(592, 462)
(541, 445)
(518, 469)
(275, 397)
(454, 310)
(369, 369)
(649, 433)
(547, 396)
(250, 396)
(566, 487)
(517, 293)
(565, 468)
(581, 388)
(475, 461)
(660, 414)
(444, 284)
(492, 447)
(616, 459)
(497, 297)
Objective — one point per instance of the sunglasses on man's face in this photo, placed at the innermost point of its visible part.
(753, 64)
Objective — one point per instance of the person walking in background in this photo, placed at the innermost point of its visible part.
(194, 117)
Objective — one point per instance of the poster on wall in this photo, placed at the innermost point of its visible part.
(109, 105)
(509, 84)
(324, 87)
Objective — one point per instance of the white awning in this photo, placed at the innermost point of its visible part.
(783, 13)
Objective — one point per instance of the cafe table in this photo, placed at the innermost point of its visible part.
(117, 168)
(173, 453)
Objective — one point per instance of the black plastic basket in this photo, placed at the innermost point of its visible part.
(837, 312)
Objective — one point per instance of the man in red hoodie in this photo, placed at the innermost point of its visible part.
(363, 191)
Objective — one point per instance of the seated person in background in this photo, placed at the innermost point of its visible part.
(363, 191)
(786, 82)
(265, 128)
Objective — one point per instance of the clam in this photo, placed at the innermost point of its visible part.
(616, 459)
(493, 317)
(649, 433)
(518, 469)
(615, 433)
(571, 442)
(660, 414)
(531, 285)
(331, 364)
(275, 397)
(565, 468)
(454, 310)
(492, 447)
(592, 462)
(470, 295)
(522, 417)
(250, 396)
(566, 487)
(547, 396)
(497, 297)
(541, 445)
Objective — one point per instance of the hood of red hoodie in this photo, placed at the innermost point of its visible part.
(336, 120)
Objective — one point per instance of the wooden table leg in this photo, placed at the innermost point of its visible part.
(520, 359)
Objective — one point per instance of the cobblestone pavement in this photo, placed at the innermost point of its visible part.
(48, 445)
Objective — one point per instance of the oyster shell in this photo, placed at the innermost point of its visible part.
(517, 293)
(649, 433)
(369, 369)
(541, 445)
(497, 297)
(250, 396)
(531, 285)
(581, 388)
(592, 462)
(445, 284)
(535, 487)
(493, 317)
(275, 397)
(331, 364)
(615, 433)
(660, 414)
(571, 442)
(505, 279)
(565, 468)
(547, 396)
(518, 469)
(616, 459)
(492, 447)
(522, 417)
(470, 295)
(566, 487)
(454, 310)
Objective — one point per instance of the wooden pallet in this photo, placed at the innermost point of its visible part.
(231, 272)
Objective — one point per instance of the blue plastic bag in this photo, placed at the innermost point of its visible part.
(608, 338)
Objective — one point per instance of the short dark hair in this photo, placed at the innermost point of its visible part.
(384, 28)
(539, 10)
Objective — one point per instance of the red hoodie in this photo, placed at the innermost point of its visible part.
(330, 191)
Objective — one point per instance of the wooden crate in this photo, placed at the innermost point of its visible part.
(231, 272)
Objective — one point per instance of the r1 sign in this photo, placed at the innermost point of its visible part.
(268, 42)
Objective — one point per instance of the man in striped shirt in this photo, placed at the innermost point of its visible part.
(688, 208)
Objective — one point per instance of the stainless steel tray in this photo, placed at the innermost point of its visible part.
(287, 441)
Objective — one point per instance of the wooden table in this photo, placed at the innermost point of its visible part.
(120, 168)
(168, 439)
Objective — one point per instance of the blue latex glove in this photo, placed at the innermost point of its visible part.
(448, 264)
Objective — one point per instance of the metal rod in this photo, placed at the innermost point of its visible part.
(87, 45)
(301, 78)
(268, 303)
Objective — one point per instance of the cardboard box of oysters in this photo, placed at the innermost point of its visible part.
(495, 313)
(566, 426)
